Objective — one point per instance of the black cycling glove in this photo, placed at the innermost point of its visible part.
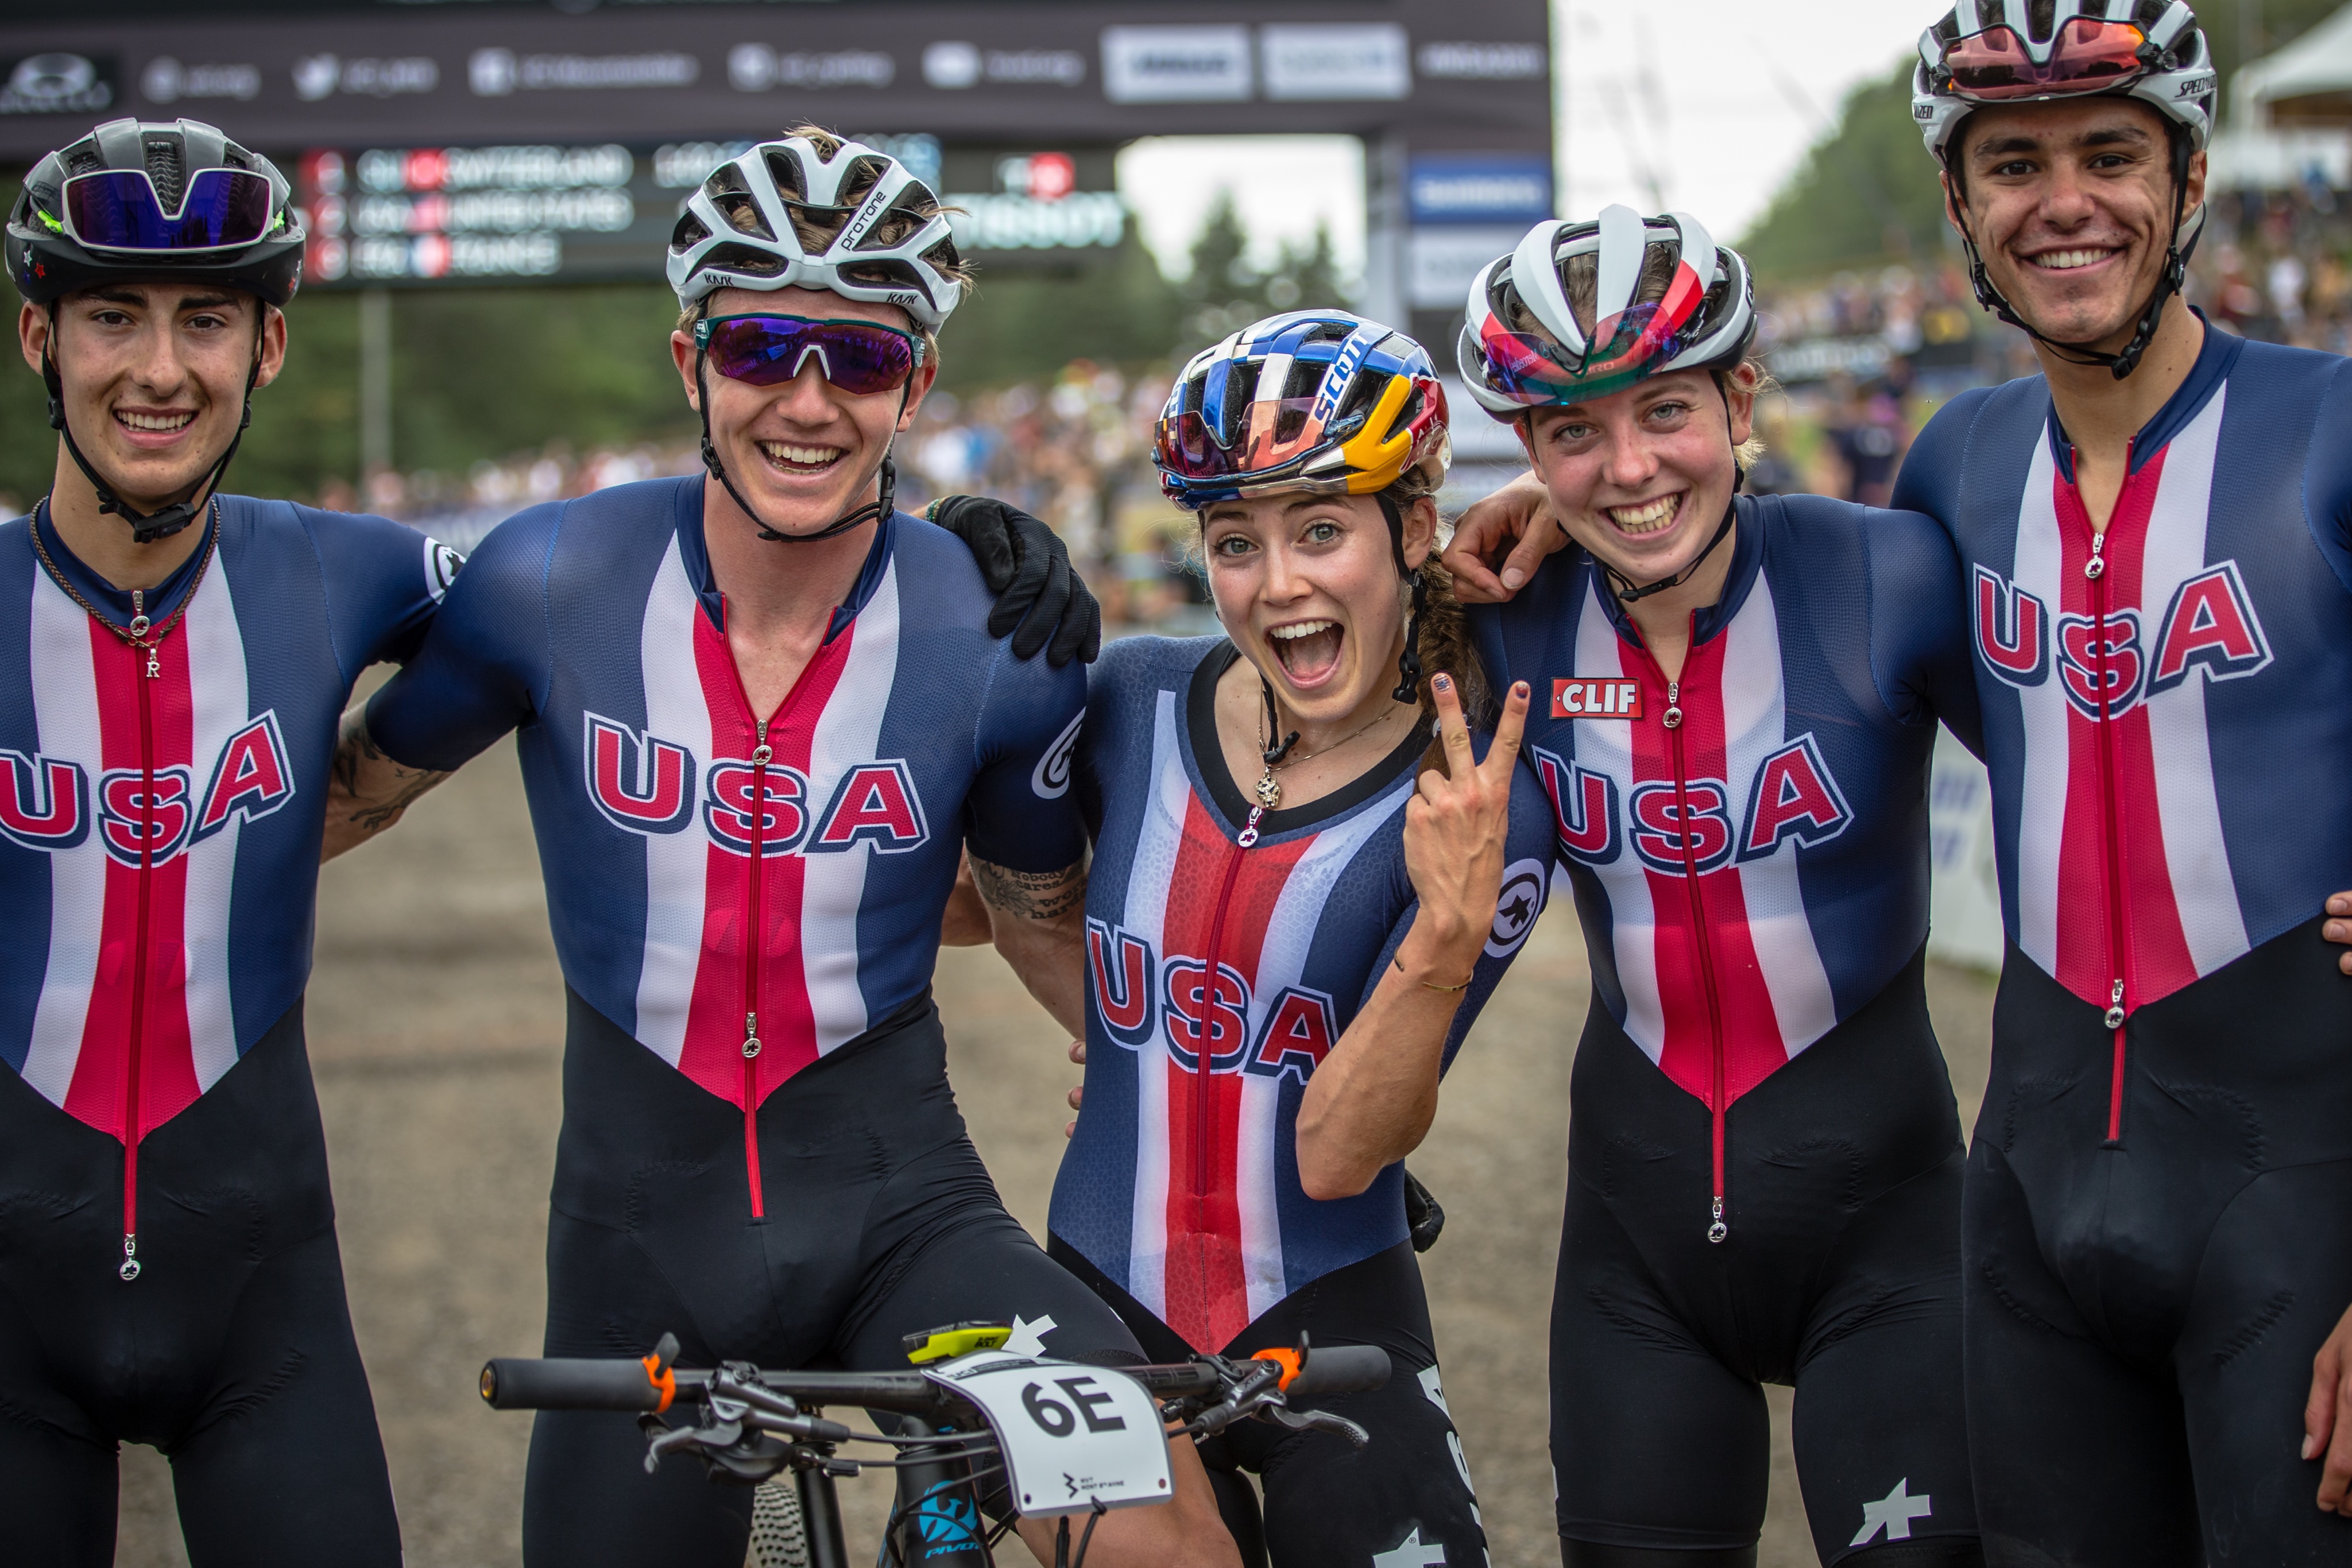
(1040, 598)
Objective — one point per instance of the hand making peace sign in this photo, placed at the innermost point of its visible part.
(1455, 825)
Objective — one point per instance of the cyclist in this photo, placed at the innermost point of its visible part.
(1235, 1177)
(2159, 1213)
(172, 662)
(759, 715)
(1741, 697)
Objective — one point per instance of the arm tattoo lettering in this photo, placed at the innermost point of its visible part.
(1046, 896)
(360, 765)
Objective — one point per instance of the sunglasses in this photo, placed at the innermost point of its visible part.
(2086, 56)
(858, 357)
(117, 209)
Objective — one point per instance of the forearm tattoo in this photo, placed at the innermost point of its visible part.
(1046, 896)
(355, 748)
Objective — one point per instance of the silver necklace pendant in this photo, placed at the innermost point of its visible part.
(1269, 790)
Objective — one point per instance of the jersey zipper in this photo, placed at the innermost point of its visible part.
(755, 940)
(2111, 831)
(1201, 1054)
(134, 1048)
(1703, 938)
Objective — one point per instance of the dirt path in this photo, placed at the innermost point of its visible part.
(436, 1024)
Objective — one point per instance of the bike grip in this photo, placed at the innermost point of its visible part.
(520, 1383)
(1340, 1369)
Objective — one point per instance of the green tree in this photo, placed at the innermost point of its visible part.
(1028, 323)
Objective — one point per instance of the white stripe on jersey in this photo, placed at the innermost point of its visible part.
(219, 693)
(2043, 708)
(1282, 959)
(2196, 852)
(1143, 910)
(64, 719)
(833, 887)
(1755, 725)
(1603, 747)
(677, 865)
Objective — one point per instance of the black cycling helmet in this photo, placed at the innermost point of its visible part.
(169, 201)
(172, 201)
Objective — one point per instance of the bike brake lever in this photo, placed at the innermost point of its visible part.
(1316, 1421)
(720, 1435)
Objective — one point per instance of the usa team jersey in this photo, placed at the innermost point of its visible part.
(1748, 844)
(159, 835)
(1182, 1181)
(741, 898)
(2163, 721)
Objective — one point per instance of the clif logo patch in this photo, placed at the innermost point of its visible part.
(1594, 697)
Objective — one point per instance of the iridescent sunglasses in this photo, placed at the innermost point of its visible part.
(117, 209)
(858, 357)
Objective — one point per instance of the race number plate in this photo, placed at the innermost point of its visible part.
(1072, 1436)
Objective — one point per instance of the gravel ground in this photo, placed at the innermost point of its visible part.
(436, 1024)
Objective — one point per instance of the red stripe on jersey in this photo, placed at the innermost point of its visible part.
(166, 1062)
(712, 1052)
(1206, 1286)
(2157, 960)
(1715, 911)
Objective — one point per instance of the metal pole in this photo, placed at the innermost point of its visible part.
(375, 385)
(1386, 292)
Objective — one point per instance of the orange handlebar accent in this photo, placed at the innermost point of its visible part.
(661, 1377)
(1286, 1359)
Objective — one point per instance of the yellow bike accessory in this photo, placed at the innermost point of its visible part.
(955, 1340)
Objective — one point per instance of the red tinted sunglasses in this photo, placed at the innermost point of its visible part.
(858, 357)
(2087, 56)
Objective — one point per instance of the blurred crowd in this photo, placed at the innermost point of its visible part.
(1865, 358)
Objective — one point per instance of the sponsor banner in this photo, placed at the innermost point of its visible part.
(58, 83)
(165, 80)
(321, 77)
(495, 73)
(756, 67)
(1484, 62)
(1441, 262)
(1176, 64)
(1335, 60)
(1478, 188)
(951, 65)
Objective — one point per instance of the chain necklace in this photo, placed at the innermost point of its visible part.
(141, 633)
(1279, 757)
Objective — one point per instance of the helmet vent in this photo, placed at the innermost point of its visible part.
(690, 232)
(785, 169)
(744, 213)
(2041, 19)
(747, 260)
(163, 167)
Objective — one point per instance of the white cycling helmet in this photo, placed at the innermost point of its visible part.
(2011, 51)
(735, 231)
(1705, 318)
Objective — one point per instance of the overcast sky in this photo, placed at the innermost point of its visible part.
(1712, 102)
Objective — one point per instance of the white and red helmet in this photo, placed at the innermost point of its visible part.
(2028, 51)
(1706, 318)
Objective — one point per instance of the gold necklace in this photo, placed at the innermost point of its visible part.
(1279, 757)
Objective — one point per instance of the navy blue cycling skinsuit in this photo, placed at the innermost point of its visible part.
(759, 1151)
(168, 1267)
(1179, 1198)
(2159, 1192)
(1764, 1152)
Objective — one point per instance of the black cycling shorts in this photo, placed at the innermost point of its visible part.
(881, 1222)
(1406, 1498)
(1839, 1275)
(232, 1351)
(2142, 1314)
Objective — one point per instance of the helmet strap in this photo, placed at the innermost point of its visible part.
(146, 527)
(1407, 686)
(877, 508)
(2151, 316)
